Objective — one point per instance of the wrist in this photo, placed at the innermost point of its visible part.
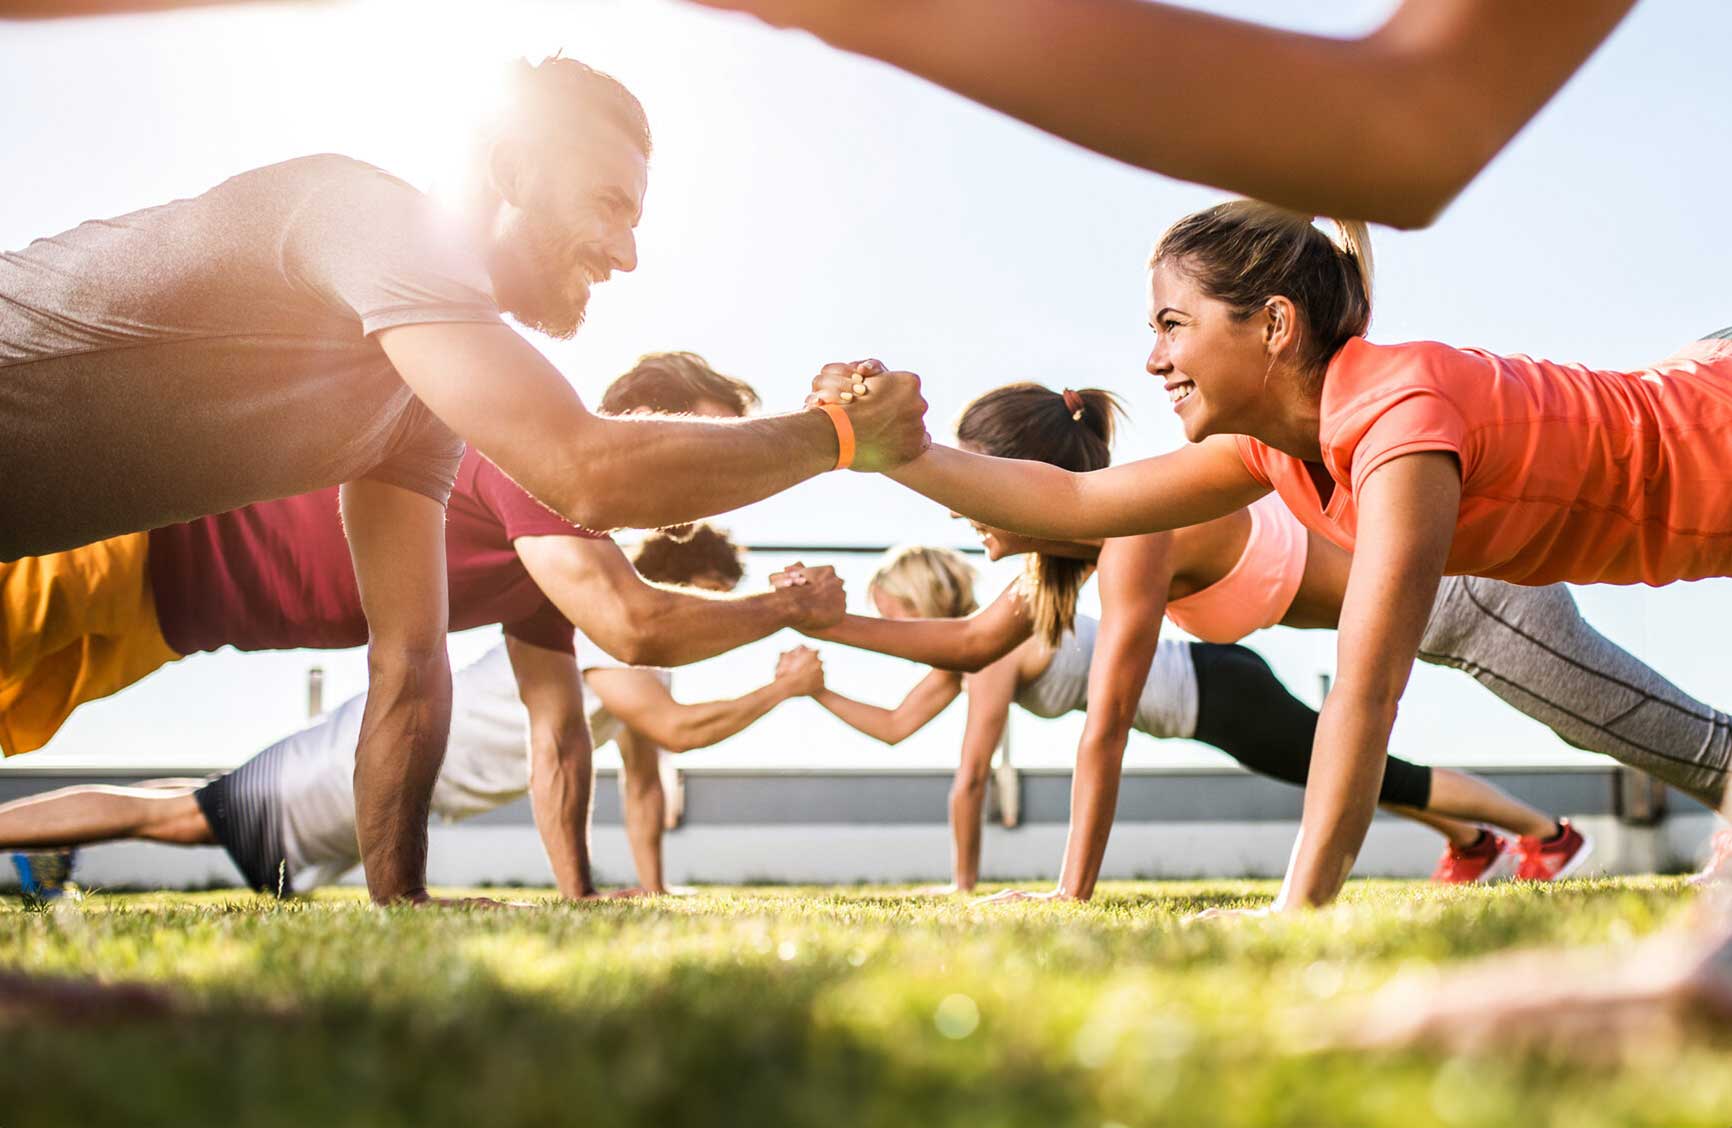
(843, 428)
(788, 608)
(415, 895)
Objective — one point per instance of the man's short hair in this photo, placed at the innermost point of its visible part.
(703, 551)
(672, 383)
(558, 92)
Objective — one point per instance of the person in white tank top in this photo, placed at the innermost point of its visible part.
(1223, 696)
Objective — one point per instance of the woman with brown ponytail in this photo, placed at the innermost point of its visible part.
(1414, 458)
(1030, 647)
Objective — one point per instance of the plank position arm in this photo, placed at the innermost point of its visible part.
(561, 760)
(1436, 91)
(595, 586)
(990, 695)
(1407, 513)
(495, 390)
(397, 542)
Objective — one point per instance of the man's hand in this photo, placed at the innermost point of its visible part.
(801, 672)
(886, 408)
(460, 903)
(819, 598)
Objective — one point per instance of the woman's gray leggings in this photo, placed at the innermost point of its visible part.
(1531, 647)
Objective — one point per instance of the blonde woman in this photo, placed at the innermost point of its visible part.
(1223, 696)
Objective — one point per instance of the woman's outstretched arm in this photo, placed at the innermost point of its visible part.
(1435, 92)
(1407, 510)
(1196, 483)
(950, 644)
(926, 700)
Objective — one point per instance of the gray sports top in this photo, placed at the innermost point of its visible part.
(1168, 707)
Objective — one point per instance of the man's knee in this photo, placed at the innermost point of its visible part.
(178, 820)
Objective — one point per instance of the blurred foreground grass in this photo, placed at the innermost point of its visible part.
(787, 1006)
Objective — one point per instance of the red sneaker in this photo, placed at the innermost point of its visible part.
(1465, 865)
(1554, 858)
(1719, 867)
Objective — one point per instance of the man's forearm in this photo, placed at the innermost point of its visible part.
(645, 472)
(709, 722)
(562, 783)
(1094, 801)
(676, 628)
(402, 744)
(1341, 791)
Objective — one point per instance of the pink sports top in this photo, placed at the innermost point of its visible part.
(1261, 585)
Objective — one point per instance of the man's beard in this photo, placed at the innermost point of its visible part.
(538, 281)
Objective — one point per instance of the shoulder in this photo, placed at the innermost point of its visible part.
(1362, 370)
(1383, 401)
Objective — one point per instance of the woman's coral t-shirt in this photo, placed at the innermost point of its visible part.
(1567, 473)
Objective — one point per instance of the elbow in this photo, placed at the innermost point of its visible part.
(638, 646)
(968, 791)
(590, 508)
(589, 489)
(407, 661)
(632, 639)
(560, 742)
(680, 740)
(896, 734)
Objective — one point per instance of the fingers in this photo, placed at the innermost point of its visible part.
(843, 383)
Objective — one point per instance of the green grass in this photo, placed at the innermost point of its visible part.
(778, 1006)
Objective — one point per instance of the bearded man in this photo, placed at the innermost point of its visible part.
(322, 323)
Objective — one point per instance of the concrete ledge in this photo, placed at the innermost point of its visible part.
(845, 827)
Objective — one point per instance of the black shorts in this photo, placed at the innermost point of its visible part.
(244, 810)
(1245, 711)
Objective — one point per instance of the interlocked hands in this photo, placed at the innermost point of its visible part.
(819, 597)
(885, 407)
(801, 671)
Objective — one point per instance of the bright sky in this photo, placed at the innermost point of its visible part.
(807, 206)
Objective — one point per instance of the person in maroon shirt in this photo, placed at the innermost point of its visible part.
(276, 575)
(320, 323)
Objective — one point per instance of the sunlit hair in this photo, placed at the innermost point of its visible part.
(703, 551)
(1032, 422)
(676, 382)
(936, 582)
(557, 94)
(1245, 252)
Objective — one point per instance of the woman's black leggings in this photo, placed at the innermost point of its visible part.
(1245, 711)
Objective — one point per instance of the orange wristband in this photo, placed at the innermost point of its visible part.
(844, 433)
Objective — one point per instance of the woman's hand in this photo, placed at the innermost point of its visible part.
(1010, 896)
